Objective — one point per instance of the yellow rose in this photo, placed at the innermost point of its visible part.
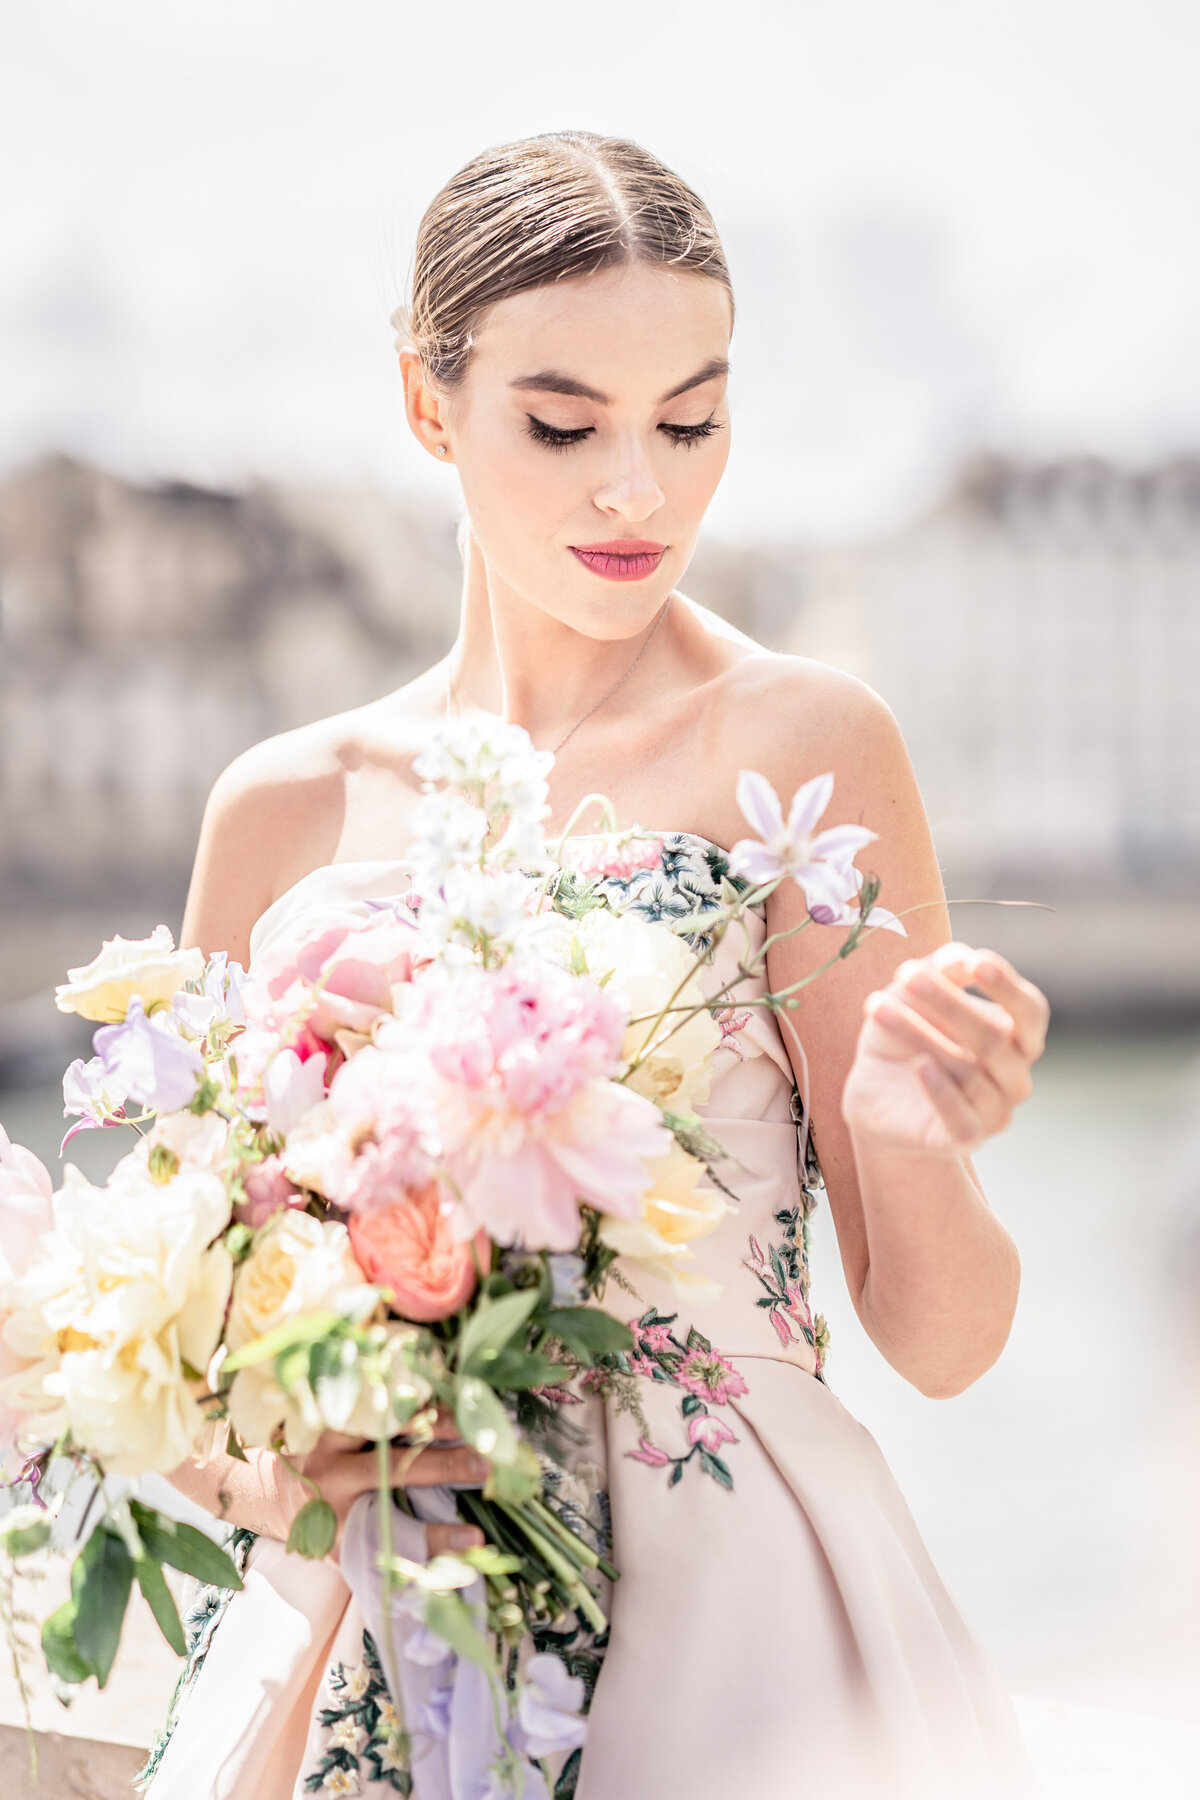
(298, 1265)
(646, 964)
(675, 1211)
(150, 967)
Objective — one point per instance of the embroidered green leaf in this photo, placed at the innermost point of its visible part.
(697, 1341)
(692, 1404)
(675, 1474)
(712, 1465)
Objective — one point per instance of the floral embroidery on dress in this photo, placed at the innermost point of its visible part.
(200, 1619)
(783, 1271)
(706, 1377)
(686, 879)
(366, 1741)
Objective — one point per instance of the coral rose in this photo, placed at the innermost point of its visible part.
(410, 1248)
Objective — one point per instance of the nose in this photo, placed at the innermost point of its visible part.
(629, 489)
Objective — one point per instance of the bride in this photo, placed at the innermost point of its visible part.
(566, 350)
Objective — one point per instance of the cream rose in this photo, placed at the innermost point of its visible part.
(150, 967)
(676, 1211)
(121, 1306)
(298, 1265)
(645, 965)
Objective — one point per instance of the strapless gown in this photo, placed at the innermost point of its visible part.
(778, 1628)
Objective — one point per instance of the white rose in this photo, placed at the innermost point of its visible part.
(150, 967)
(318, 1153)
(198, 1141)
(675, 1211)
(127, 1294)
(647, 965)
(298, 1265)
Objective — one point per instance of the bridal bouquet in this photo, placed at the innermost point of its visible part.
(385, 1174)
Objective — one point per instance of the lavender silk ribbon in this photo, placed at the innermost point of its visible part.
(446, 1703)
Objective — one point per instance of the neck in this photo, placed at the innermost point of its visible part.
(514, 660)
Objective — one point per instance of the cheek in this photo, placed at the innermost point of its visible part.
(515, 491)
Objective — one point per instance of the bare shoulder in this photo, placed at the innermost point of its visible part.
(791, 718)
(274, 813)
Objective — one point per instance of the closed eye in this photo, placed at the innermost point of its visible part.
(553, 436)
(691, 434)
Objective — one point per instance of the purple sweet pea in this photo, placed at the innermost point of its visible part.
(148, 1058)
(548, 1712)
(91, 1095)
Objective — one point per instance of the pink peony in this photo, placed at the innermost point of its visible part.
(268, 1191)
(410, 1248)
(532, 1121)
(336, 975)
(709, 1432)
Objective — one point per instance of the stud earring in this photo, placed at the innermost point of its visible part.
(440, 450)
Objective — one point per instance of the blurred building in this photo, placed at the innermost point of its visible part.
(1038, 636)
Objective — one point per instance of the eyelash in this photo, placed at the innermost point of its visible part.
(555, 439)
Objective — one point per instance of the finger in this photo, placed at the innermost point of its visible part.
(445, 1426)
(441, 1539)
(981, 1026)
(1027, 1005)
(921, 1039)
(964, 1126)
(435, 1464)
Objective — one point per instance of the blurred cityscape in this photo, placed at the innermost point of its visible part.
(1037, 634)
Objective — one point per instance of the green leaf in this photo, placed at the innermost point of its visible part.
(314, 1530)
(696, 1340)
(101, 1577)
(183, 1547)
(675, 1474)
(450, 1618)
(715, 1467)
(233, 1447)
(525, 1369)
(515, 1481)
(691, 1404)
(58, 1645)
(588, 1331)
(24, 1531)
(483, 1421)
(161, 1601)
(491, 1327)
(304, 1330)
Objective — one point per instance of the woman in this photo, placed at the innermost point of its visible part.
(567, 351)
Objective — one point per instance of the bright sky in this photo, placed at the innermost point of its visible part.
(950, 223)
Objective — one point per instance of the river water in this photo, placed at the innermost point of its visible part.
(1059, 1495)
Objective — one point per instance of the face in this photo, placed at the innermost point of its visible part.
(590, 432)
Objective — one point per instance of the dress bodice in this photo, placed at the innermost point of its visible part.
(758, 1252)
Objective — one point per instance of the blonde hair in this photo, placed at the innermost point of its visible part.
(541, 210)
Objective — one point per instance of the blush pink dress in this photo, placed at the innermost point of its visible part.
(778, 1628)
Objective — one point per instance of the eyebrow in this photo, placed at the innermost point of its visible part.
(549, 381)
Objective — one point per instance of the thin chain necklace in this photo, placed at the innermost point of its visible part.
(608, 693)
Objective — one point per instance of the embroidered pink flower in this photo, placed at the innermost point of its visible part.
(653, 1337)
(619, 860)
(710, 1377)
(709, 1432)
(731, 1023)
(650, 1453)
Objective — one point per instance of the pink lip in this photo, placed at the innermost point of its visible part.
(623, 559)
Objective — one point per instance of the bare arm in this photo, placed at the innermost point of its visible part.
(932, 1273)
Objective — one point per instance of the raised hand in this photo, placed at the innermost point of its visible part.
(938, 1071)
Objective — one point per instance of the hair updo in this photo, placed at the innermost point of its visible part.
(544, 209)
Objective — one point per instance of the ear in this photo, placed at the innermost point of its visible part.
(423, 406)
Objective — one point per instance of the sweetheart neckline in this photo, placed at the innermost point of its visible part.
(382, 862)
